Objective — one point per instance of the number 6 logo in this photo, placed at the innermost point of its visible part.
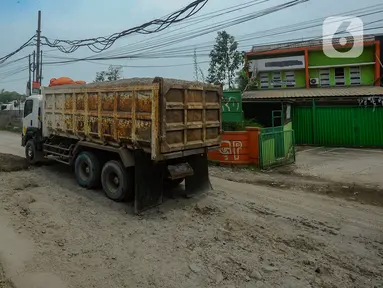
(343, 37)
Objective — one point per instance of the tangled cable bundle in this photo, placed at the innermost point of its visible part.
(100, 44)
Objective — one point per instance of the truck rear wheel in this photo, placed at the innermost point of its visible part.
(117, 181)
(87, 170)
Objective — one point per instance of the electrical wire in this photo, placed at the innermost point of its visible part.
(100, 44)
(183, 51)
(272, 32)
(193, 21)
(291, 44)
(26, 44)
(128, 66)
(12, 62)
(14, 80)
(288, 45)
(13, 71)
(203, 31)
(263, 34)
(215, 27)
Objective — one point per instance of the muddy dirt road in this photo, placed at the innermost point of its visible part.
(55, 234)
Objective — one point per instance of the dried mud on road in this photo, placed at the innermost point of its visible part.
(9, 163)
(239, 235)
(4, 282)
(286, 178)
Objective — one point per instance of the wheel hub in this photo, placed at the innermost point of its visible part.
(30, 152)
(116, 181)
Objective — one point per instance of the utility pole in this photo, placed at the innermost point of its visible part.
(41, 67)
(38, 32)
(34, 66)
(30, 77)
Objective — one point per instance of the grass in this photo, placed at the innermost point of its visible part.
(13, 129)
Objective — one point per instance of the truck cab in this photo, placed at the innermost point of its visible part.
(32, 128)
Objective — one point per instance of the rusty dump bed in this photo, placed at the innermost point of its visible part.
(165, 117)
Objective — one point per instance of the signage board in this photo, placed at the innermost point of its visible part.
(283, 82)
(277, 64)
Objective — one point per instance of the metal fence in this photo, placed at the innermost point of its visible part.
(349, 126)
(276, 147)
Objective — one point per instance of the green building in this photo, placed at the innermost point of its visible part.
(330, 100)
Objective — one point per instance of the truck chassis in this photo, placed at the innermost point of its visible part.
(124, 174)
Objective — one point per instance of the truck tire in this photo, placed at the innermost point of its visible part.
(87, 170)
(32, 155)
(117, 181)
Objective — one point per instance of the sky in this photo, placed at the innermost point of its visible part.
(82, 19)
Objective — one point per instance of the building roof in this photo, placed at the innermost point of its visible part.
(302, 44)
(313, 93)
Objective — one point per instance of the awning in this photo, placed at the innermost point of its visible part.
(313, 93)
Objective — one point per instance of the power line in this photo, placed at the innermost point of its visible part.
(13, 61)
(194, 21)
(179, 37)
(127, 66)
(183, 51)
(14, 71)
(106, 42)
(14, 80)
(267, 33)
(185, 64)
(291, 44)
(26, 44)
(204, 31)
(213, 28)
(100, 44)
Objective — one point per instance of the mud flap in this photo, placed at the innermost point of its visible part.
(148, 182)
(199, 182)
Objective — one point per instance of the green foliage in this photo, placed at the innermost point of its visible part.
(240, 126)
(7, 96)
(199, 76)
(112, 74)
(242, 80)
(244, 83)
(225, 60)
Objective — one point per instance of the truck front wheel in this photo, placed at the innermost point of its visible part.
(32, 155)
(87, 170)
(117, 181)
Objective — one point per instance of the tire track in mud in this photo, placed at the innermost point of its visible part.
(290, 180)
(326, 262)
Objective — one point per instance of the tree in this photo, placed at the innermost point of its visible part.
(198, 73)
(242, 80)
(225, 60)
(100, 76)
(7, 96)
(112, 74)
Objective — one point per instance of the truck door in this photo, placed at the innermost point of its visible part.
(31, 114)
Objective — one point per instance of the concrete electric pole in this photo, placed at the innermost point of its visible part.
(38, 55)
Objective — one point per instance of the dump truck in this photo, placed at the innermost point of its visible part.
(133, 137)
